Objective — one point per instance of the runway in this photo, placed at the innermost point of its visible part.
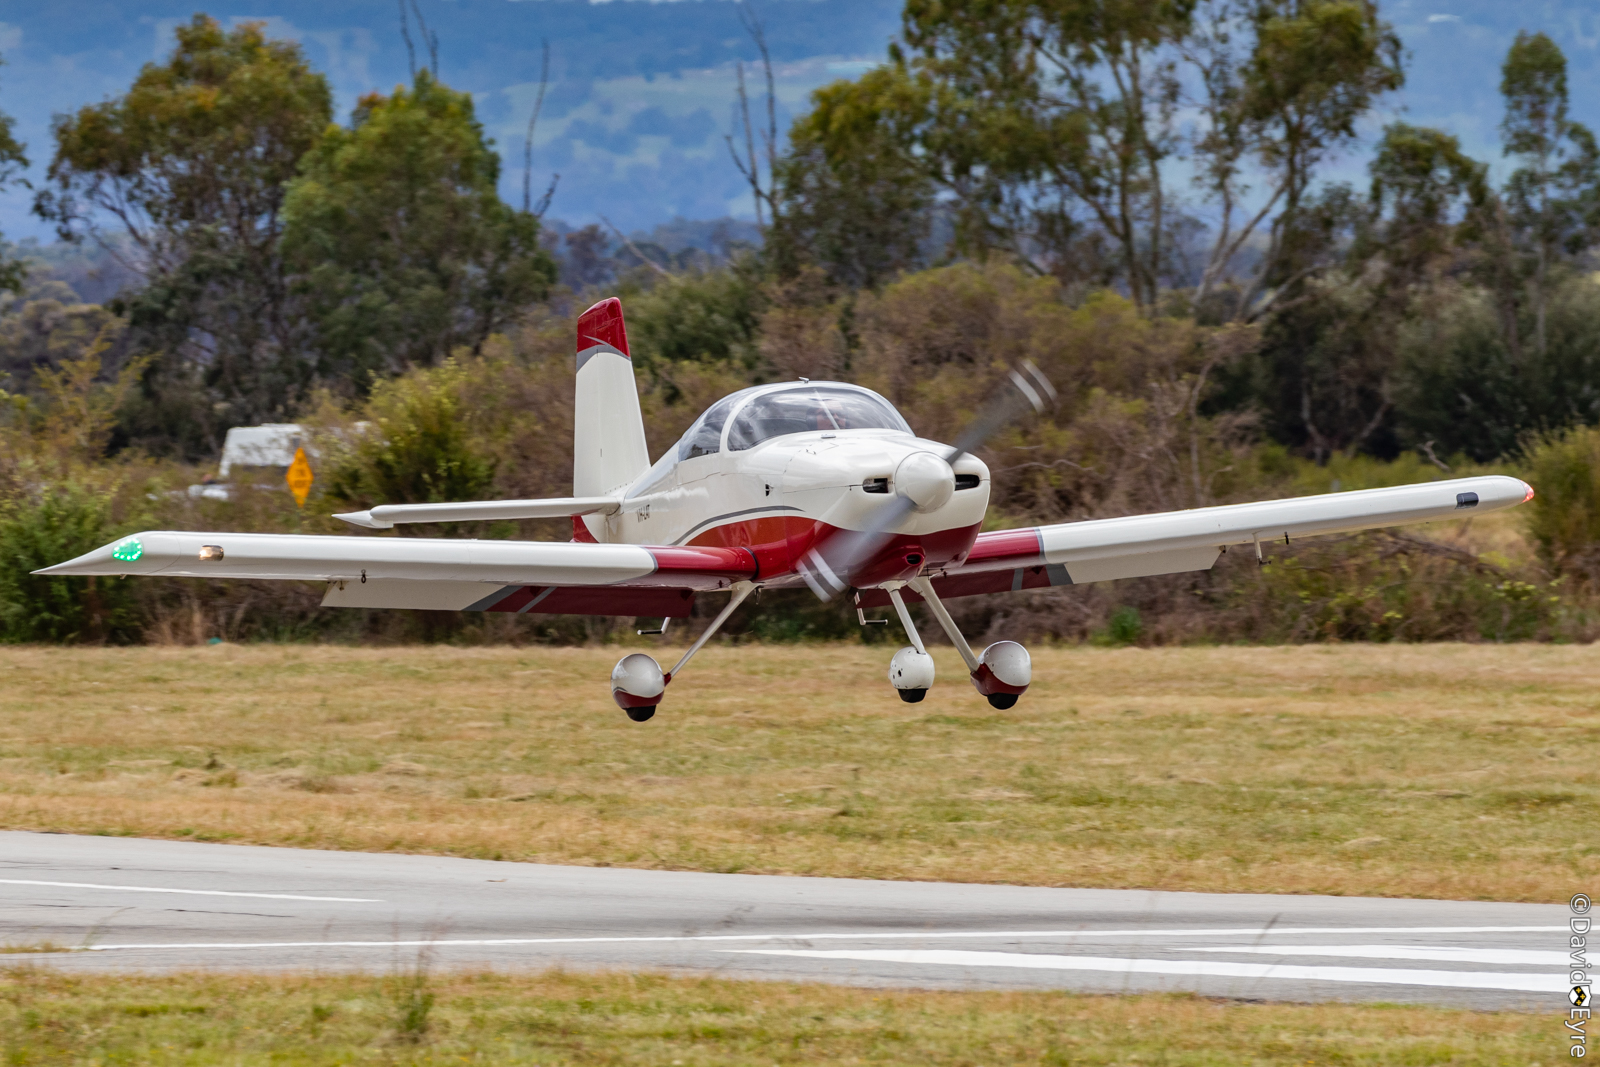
(129, 904)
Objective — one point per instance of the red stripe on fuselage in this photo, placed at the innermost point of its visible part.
(699, 567)
(779, 542)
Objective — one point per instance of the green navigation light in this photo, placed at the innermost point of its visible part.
(129, 551)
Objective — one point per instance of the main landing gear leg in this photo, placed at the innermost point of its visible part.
(911, 669)
(1001, 672)
(637, 682)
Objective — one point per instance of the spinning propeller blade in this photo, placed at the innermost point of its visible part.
(827, 568)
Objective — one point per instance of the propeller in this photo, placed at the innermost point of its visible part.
(827, 568)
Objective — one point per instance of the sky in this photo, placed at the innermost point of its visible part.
(643, 93)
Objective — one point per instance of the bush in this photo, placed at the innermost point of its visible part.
(417, 448)
(711, 317)
(1564, 517)
(55, 524)
(1460, 386)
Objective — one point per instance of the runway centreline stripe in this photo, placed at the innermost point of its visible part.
(1525, 983)
(1435, 954)
(500, 941)
(192, 892)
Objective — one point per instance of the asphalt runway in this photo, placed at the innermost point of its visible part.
(129, 904)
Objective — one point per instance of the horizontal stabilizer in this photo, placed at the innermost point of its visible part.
(385, 516)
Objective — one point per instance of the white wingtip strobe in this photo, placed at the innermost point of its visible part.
(1004, 673)
(637, 684)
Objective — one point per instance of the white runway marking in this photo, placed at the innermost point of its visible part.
(1437, 954)
(192, 892)
(1526, 983)
(860, 936)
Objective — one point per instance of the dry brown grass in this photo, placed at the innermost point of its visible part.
(556, 1018)
(1449, 771)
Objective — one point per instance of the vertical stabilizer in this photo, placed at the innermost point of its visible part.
(608, 446)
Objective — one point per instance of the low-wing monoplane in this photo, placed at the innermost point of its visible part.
(821, 484)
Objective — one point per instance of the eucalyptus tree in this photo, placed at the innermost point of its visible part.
(1553, 198)
(189, 169)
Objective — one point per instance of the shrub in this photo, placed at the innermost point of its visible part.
(1564, 517)
(53, 524)
(418, 448)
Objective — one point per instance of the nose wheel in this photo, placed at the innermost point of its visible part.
(1001, 673)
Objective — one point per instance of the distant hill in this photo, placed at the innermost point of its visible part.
(643, 93)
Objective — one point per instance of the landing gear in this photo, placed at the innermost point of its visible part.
(637, 681)
(1002, 672)
(911, 674)
(911, 669)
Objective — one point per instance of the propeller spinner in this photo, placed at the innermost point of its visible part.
(922, 483)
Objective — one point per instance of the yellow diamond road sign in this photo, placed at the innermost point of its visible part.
(299, 477)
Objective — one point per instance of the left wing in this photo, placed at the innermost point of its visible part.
(1099, 550)
(439, 573)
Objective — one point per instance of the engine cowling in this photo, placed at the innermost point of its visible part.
(911, 674)
(1004, 672)
(637, 685)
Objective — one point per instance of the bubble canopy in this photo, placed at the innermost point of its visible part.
(774, 411)
(807, 409)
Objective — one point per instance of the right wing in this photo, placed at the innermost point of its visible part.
(1099, 550)
(439, 573)
(384, 516)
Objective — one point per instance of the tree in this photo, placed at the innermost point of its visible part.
(1047, 128)
(1553, 199)
(13, 160)
(1055, 116)
(1283, 84)
(1325, 374)
(403, 247)
(1427, 199)
(192, 164)
(851, 195)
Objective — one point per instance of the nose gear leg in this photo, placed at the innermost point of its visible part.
(924, 588)
(911, 669)
(1002, 672)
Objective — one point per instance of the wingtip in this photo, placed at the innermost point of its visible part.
(362, 518)
(1529, 494)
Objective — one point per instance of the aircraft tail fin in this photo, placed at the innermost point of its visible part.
(608, 445)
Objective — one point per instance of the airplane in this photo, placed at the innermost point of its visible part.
(802, 483)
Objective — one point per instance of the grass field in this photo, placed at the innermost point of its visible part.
(563, 1018)
(1437, 771)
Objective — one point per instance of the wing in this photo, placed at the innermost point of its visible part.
(384, 516)
(1073, 553)
(438, 573)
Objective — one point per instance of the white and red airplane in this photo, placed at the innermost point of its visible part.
(815, 483)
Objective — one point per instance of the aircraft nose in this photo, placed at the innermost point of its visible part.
(925, 480)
